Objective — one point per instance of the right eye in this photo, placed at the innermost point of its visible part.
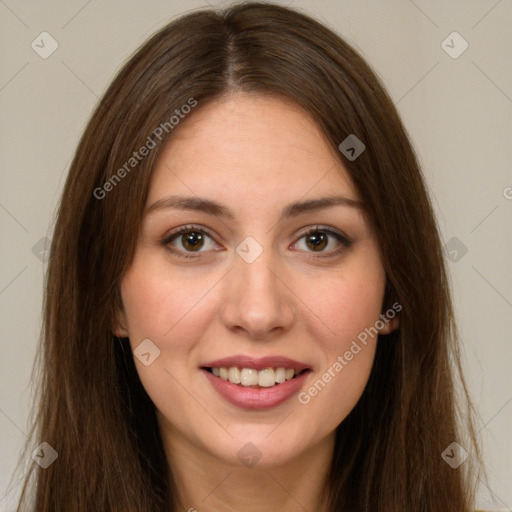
(187, 240)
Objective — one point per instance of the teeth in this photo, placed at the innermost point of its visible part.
(250, 377)
(234, 375)
(280, 375)
(266, 377)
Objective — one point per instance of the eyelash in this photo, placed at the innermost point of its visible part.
(345, 243)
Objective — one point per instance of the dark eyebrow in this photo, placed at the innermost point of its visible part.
(213, 208)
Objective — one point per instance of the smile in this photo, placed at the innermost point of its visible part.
(251, 383)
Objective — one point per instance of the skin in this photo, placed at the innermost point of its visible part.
(254, 155)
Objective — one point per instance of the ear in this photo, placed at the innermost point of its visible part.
(390, 324)
(119, 328)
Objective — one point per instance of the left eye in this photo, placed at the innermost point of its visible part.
(317, 240)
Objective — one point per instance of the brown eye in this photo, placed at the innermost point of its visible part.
(317, 241)
(192, 241)
(189, 242)
(323, 242)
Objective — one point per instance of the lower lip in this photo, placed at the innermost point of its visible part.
(256, 398)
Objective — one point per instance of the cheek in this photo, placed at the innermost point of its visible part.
(349, 304)
(350, 313)
(159, 303)
(347, 354)
(170, 309)
(348, 309)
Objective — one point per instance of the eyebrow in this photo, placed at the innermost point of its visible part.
(210, 207)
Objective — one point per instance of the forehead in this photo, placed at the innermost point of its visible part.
(261, 148)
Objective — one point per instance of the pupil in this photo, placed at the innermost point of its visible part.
(191, 239)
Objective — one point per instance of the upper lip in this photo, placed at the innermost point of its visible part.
(244, 361)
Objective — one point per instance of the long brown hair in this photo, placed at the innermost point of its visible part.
(93, 409)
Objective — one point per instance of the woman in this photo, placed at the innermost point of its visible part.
(247, 306)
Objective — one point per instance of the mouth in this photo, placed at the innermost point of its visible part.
(250, 383)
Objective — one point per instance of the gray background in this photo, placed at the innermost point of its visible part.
(457, 110)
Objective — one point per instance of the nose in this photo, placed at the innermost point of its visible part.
(257, 299)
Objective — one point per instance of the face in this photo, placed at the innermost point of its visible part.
(242, 263)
